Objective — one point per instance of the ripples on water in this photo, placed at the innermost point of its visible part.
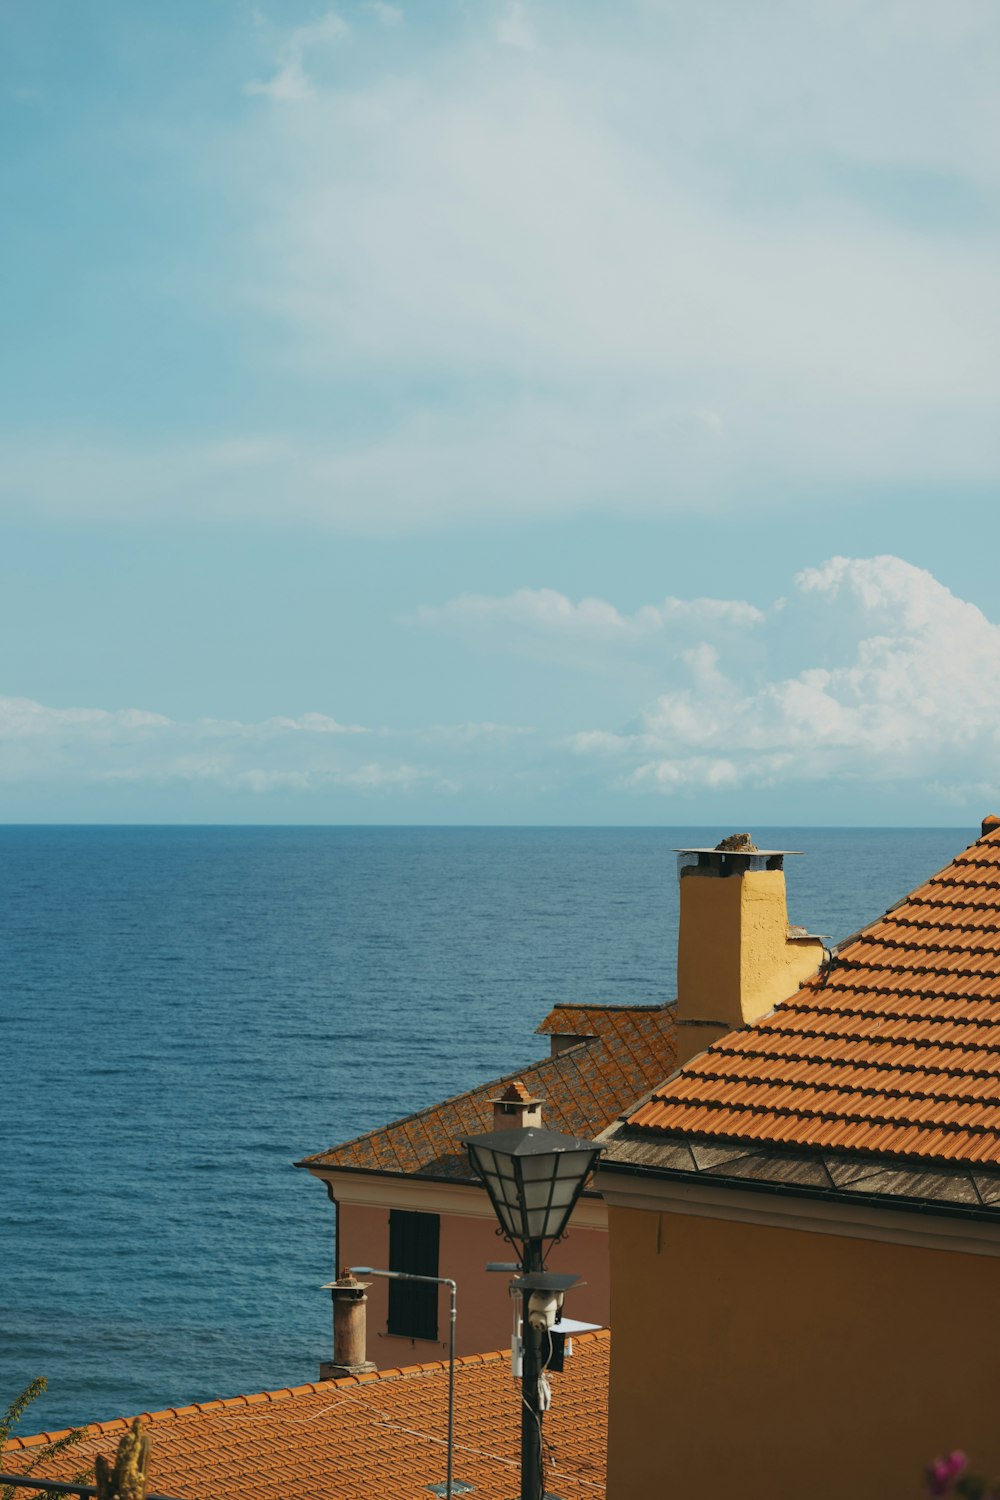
(185, 1011)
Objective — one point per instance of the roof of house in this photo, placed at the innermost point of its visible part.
(584, 1088)
(890, 1054)
(376, 1435)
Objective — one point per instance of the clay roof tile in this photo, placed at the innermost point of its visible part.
(341, 1440)
(585, 1088)
(894, 1051)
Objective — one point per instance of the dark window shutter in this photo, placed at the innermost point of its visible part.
(414, 1240)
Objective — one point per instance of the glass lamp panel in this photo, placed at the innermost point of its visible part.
(500, 1184)
(537, 1175)
(537, 1224)
(575, 1165)
(562, 1193)
(533, 1189)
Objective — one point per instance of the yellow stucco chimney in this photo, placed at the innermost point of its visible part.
(736, 954)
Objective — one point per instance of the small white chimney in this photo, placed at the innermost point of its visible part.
(515, 1109)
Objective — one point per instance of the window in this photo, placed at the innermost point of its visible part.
(413, 1246)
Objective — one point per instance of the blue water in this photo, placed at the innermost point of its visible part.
(185, 1011)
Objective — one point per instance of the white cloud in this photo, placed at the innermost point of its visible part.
(869, 674)
(291, 84)
(306, 754)
(656, 264)
(471, 735)
(663, 264)
(592, 635)
(514, 28)
(22, 719)
(546, 611)
(384, 13)
(896, 683)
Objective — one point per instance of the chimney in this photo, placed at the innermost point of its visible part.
(349, 1329)
(737, 957)
(515, 1109)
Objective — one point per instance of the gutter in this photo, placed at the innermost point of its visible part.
(930, 1208)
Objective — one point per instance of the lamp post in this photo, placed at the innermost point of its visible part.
(533, 1178)
(452, 1289)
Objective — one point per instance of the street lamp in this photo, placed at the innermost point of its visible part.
(533, 1178)
(450, 1488)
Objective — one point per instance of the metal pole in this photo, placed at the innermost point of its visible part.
(451, 1384)
(453, 1290)
(532, 1485)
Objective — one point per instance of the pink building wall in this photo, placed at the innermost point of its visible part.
(484, 1309)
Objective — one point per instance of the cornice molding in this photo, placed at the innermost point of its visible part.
(809, 1215)
(432, 1196)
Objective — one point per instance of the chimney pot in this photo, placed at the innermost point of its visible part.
(350, 1333)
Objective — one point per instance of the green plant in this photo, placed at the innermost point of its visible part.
(9, 1420)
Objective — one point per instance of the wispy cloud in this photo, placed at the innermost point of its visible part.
(515, 29)
(637, 265)
(305, 754)
(291, 83)
(546, 610)
(870, 673)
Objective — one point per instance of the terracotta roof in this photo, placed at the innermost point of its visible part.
(584, 1088)
(565, 1019)
(893, 1050)
(367, 1436)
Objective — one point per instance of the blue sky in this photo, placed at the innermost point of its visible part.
(500, 412)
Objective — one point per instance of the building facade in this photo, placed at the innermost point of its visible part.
(804, 1219)
(406, 1200)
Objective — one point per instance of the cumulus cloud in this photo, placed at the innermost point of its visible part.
(592, 635)
(896, 683)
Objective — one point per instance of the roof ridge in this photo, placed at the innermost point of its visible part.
(452, 1101)
(608, 1005)
(591, 1078)
(909, 895)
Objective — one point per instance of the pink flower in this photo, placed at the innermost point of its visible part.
(942, 1473)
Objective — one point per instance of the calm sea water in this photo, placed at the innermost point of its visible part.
(185, 1011)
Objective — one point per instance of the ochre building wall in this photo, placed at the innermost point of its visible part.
(484, 1309)
(735, 956)
(774, 1364)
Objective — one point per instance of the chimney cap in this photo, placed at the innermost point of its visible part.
(515, 1093)
(348, 1284)
(743, 853)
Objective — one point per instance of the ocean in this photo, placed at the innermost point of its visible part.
(186, 1011)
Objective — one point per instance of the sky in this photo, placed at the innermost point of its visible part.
(502, 412)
